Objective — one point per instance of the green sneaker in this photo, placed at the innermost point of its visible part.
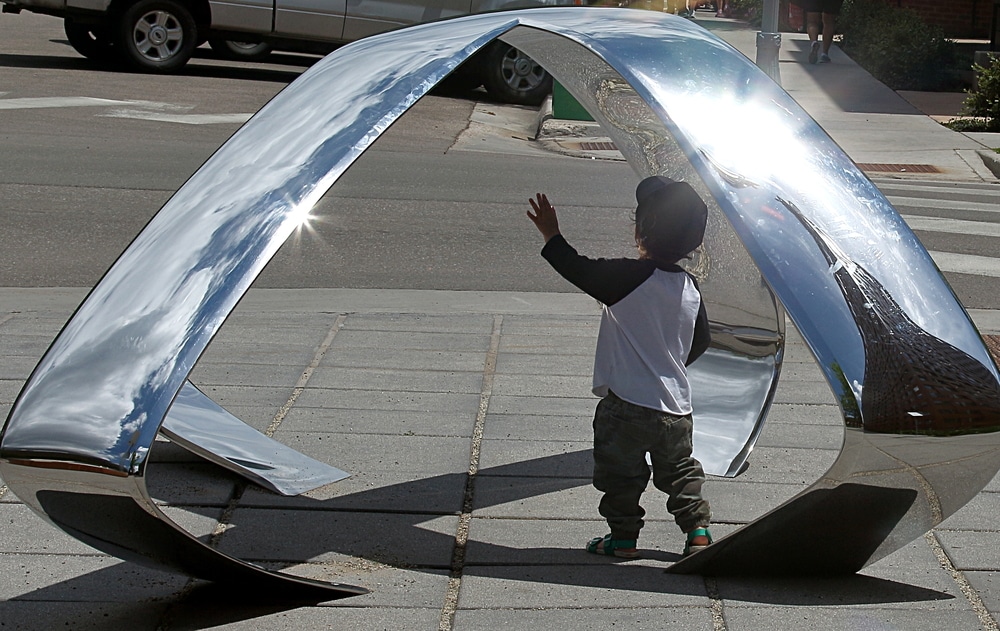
(697, 539)
(621, 548)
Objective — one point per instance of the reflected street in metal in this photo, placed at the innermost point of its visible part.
(794, 227)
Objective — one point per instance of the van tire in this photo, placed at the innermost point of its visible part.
(241, 51)
(512, 77)
(156, 35)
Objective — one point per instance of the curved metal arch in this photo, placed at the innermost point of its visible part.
(851, 275)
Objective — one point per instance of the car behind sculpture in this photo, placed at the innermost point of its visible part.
(794, 228)
(161, 35)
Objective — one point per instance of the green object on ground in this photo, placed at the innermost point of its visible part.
(565, 107)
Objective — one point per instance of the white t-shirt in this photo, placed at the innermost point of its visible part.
(653, 325)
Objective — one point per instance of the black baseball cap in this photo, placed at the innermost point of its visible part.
(671, 215)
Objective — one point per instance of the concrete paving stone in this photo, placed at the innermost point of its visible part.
(198, 521)
(806, 414)
(25, 344)
(404, 423)
(247, 314)
(45, 616)
(571, 459)
(537, 428)
(546, 406)
(994, 484)
(271, 337)
(26, 532)
(252, 396)
(84, 579)
(388, 586)
(536, 498)
(909, 579)
(368, 490)
(427, 455)
(190, 484)
(971, 550)
(585, 326)
(398, 401)
(9, 389)
(411, 341)
(740, 503)
(638, 619)
(405, 540)
(33, 323)
(17, 367)
(788, 465)
(587, 586)
(384, 475)
(803, 392)
(249, 351)
(800, 371)
(801, 436)
(463, 361)
(419, 322)
(528, 364)
(265, 375)
(916, 565)
(384, 379)
(839, 618)
(540, 385)
(987, 587)
(558, 345)
(252, 617)
(502, 541)
(979, 514)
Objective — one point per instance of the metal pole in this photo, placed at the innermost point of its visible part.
(769, 41)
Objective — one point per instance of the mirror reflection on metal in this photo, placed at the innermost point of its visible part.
(794, 226)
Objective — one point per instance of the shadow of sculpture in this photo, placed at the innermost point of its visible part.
(219, 604)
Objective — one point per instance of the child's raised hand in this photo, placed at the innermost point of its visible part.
(544, 216)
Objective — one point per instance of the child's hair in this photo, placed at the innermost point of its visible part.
(670, 219)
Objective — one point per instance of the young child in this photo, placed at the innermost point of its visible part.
(653, 325)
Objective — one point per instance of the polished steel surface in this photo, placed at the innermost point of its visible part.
(202, 426)
(918, 388)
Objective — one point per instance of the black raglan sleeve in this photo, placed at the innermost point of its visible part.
(607, 280)
(702, 332)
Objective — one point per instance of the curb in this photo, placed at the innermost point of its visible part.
(991, 159)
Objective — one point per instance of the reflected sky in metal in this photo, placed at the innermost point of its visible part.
(794, 226)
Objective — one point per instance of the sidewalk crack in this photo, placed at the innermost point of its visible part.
(462, 532)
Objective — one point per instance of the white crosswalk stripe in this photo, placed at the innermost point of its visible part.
(969, 209)
(139, 110)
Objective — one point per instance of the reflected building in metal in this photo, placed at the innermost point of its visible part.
(794, 229)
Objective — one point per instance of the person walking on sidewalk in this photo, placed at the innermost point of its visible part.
(653, 325)
(820, 13)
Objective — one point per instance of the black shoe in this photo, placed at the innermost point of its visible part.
(814, 52)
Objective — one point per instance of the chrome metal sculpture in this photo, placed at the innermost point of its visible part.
(918, 389)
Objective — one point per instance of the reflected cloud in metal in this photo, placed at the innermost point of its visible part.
(794, 226)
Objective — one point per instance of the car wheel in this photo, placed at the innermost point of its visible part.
(511, 76)
(157, 35)
(241, 51)
(91, 41)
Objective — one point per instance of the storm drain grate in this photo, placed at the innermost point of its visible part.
(599, 145)
(898, 168)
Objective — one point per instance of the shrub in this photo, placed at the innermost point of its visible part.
(897, 47)
(983, 101)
